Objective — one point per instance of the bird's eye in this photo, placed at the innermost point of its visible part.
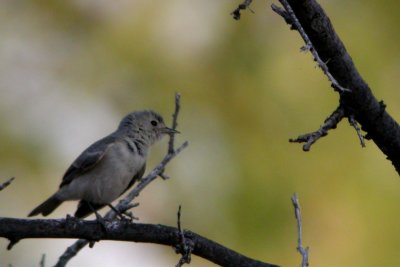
(154, 123)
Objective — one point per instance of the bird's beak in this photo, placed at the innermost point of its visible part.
(169, 131)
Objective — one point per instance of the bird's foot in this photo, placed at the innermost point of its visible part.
(101, 221)
(125, 215)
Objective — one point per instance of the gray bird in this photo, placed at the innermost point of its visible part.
(110, 166)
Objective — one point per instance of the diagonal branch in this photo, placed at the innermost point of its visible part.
(6, 183)
(123, 230)
(71, 252)
(291, 18)
(353, 123)
(124, 204)
(316, 29)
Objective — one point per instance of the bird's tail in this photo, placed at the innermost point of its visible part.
(85, 208)
(46, 207)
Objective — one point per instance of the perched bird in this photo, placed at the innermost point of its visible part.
(107, 168)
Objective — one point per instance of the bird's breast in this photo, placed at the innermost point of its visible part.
(118, 168)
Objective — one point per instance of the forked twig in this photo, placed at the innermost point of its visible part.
(330, 123)
(245, 5)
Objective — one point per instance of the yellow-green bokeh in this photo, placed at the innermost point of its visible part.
(69, 70)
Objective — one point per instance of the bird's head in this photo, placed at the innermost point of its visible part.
(147, 125)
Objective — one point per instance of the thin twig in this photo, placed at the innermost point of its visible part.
(296, 24)
(330, 123)
(297, 212)
(12, 243)
(6, 183)
(164, 176)
(171, 141)
(124, 204)
(43, 261)
(145, 181)
(353, 123)
(281, 12)
(184, 248)
(245, 5)
(71, 252)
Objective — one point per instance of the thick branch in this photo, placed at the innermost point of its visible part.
(16, 229)
(359, 101)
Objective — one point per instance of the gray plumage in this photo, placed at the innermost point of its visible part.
(107, 168)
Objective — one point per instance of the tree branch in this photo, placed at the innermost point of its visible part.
(291, 18)
(6, 183)
(124, 231)
(71, 252)
(89, 232)
(297, 213)
(43, 261)
(171, 142)
(185, 248)
(319, 36)
(245, 5)
(330, 123)
(353, 123)
(125, 203)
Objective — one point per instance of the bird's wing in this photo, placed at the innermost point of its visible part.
(135, 178)
(85, 208)
(88, 159)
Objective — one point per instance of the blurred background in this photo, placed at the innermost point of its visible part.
(70, 70)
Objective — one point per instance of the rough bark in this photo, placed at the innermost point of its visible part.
(359, 101)
(17, 229)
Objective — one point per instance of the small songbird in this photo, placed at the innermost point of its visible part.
(107, 168)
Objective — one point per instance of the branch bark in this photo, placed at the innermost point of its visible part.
(358, 101)
(125, 203)
(330, 123)
(89, 232)
(297, 213)
(17, 229)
